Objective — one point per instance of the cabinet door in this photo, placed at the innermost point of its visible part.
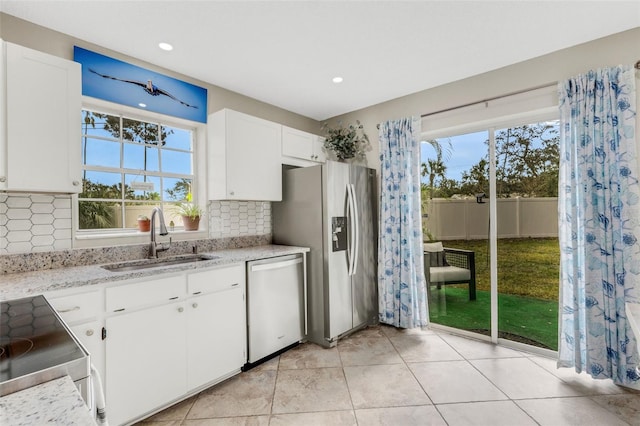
(90, 335)
(43, 111)
(320, 155)
(146, 360)
(216, 336)
(296, 143)
(244, 157)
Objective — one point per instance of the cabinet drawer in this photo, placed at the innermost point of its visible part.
(156, 290)
(216, 279)
(78, 307)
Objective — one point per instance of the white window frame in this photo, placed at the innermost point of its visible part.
(101, 237)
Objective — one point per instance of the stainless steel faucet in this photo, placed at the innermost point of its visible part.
(154, 247)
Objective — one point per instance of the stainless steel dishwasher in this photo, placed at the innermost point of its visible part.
(277, 304)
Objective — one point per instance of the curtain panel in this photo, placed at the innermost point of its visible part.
(599, 215)
(401, 283)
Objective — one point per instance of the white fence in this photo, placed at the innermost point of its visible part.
(448, 219)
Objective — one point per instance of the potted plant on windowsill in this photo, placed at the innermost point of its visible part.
(191, 214)
(144, 224)
(347, 143)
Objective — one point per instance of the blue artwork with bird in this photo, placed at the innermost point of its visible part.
(117, 81)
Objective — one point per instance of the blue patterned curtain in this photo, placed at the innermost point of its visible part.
(401, 283)
(599, 227)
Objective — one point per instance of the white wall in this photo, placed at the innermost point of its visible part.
(27, 34)
(621, 48)
(33, 222)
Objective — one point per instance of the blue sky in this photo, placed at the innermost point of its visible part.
(106, 153)
(466, 150)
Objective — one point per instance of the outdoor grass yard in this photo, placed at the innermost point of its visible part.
(528, 270)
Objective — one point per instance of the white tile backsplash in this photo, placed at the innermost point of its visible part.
(41, 222)
(29, 222)
(239, 218)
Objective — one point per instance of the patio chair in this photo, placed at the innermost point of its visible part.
(444, 266)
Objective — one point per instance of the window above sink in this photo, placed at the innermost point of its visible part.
(133, 161)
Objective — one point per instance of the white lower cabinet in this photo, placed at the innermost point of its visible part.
(165, 337)
(83, 313)
(146, 360)
(168, 337)
(216, 339)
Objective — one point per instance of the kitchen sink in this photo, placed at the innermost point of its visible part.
(156, 263)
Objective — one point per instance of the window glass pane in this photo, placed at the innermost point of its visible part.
(455, 174)
(98, 152)
(172, 215)
(140, 157)
(527, 160)
(176, 162)
(102, 125)
(99, 214)
(134, 210)
(101, 185)
(139, 131)
(133, 192)
(176, 189)
(125, 165)
(176, 138)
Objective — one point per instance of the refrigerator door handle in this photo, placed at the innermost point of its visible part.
(352, 232)
(356, 227)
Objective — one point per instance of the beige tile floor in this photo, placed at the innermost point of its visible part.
(385, 376)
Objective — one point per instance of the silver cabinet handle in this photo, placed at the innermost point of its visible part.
(195, 305)
(76, 183)
(64, 311)
(3, 178)
(275, 265)
(89, 332)
(180, 309)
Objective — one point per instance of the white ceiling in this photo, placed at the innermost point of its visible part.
(286, 52)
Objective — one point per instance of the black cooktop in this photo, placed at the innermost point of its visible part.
(33, 339)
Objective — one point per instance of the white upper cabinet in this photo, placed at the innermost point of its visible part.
(243, 154)
(298, 145)
(41, 111)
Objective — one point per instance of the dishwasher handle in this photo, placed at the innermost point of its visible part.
(275, 265)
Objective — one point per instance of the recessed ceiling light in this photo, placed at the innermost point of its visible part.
(141, 105)
(337, 80)
(165, 46)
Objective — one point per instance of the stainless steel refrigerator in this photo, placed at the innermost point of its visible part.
(331, 209)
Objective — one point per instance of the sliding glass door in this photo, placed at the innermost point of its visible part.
(455, 173)
(526, 169)
(491, 196)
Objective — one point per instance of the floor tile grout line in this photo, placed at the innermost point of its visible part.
(275, 386)
(407, 364)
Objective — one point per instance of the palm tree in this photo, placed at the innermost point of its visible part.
(434, 169)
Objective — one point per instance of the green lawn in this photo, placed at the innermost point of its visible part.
(526, 266)
(528, 271)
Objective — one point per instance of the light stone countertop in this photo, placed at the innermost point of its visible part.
(55, 402)
(18, 285)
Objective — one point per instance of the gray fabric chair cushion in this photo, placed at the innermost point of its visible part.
(436, 254)
(449, 273)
